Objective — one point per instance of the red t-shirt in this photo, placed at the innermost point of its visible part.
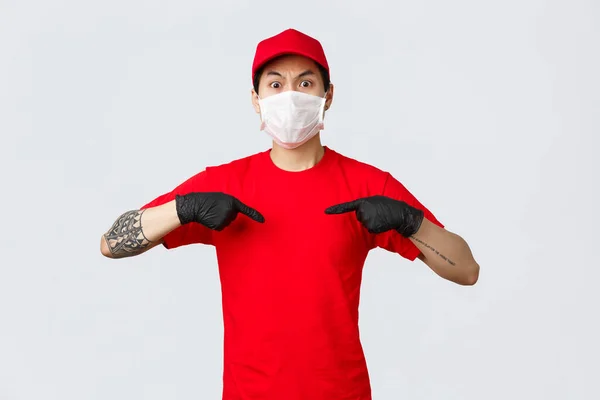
(291, 286)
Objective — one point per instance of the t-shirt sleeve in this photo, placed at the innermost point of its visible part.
(192, 232)
(392, 240)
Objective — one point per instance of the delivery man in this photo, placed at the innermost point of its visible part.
(292, 227)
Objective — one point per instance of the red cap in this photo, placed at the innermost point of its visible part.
(289, 41)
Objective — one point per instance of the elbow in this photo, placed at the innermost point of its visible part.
(104, 248)
(472, 275)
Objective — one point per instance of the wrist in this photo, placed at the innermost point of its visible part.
(171, 208)
(184, 209)
(411, 221)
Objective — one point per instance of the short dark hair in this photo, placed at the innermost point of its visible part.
(324, 74)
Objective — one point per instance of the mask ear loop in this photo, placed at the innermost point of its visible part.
(262, 120)
(325, 107)
(322, 111)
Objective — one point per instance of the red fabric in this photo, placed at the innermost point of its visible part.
(291, 286)
(289, 41)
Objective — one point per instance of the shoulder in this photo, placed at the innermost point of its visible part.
(373, 180)
(360, 168)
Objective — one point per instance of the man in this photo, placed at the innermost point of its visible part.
(290, 266)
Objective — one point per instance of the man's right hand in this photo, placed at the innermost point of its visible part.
(215, 210)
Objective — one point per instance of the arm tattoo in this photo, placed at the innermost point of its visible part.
(435, 251)
(126, 237)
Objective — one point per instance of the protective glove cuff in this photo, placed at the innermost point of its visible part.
(412, 222)
(185, 209)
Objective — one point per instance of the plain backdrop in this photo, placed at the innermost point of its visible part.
(487, 111)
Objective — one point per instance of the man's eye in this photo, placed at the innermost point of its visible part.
(275, 85)
(305, 84)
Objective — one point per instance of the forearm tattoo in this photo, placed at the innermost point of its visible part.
(443, 257)
(126, 237)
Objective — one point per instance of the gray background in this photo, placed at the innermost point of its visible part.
(486, 111)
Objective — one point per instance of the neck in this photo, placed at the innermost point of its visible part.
(300, 158)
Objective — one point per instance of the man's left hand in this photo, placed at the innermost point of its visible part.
(380, 214)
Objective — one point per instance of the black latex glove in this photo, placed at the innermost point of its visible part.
(380, 214)
(214, 210)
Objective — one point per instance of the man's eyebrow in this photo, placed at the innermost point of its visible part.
(306, 73)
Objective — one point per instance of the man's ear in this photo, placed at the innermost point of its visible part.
(255, 101)
(329, 97)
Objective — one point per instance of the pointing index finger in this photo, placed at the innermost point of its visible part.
(249, 211)
(344, 207)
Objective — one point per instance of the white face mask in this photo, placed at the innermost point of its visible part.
(291, 118)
